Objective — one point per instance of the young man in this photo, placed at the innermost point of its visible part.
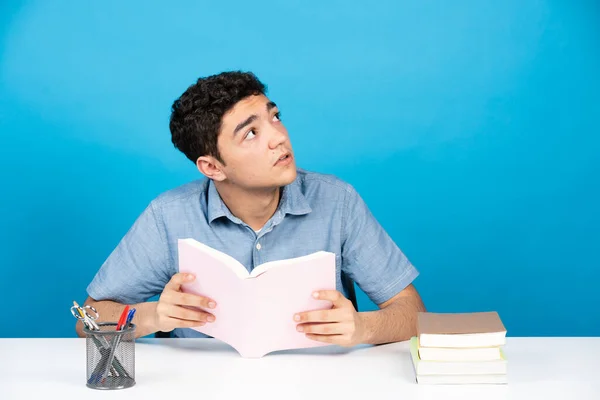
(256, 206)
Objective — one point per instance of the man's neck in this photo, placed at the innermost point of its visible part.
(254, 208)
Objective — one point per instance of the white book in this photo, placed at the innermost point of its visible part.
(424, 367)
(462, 379)
(459, 354)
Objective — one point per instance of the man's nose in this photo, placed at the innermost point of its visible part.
(278, 137)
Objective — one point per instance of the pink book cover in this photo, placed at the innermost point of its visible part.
(255, 311)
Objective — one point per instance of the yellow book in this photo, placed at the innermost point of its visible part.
(459, 353)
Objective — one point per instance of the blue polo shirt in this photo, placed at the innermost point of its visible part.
(316, 212)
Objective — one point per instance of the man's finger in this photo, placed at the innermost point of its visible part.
(335, 328)
(192, 300)
(183, 323)
(334, 296)
(177, 280)
(190, 314)
(331, 315)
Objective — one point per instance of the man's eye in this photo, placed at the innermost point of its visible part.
(250, 135)
(277, 116)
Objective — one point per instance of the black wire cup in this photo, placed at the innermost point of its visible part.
(110, 356)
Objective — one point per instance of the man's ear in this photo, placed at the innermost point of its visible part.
(211, 168)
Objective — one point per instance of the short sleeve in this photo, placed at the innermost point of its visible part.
(139, 267)
(369, 255)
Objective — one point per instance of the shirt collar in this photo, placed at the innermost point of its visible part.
(292, 201)
(216, 207)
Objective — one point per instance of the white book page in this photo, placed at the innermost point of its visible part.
(233, 264)
(282, 263)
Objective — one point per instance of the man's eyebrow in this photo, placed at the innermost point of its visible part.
(244, 123)
(270, 105)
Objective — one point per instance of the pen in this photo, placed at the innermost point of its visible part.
(123, 318)
(129, 318)
(120, 325)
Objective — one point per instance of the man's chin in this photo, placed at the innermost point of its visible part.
(289, 176)
(283, 178)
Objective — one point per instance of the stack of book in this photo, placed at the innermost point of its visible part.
(461, 348)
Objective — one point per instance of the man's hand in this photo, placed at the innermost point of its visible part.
(341, 325)
(173, 308)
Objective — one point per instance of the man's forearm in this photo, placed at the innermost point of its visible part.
(110, 311)
(396, 322)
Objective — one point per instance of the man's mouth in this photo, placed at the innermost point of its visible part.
(283, 158)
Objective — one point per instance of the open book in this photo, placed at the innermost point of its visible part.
(255, 311)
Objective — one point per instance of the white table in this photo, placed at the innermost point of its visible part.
(539, 368)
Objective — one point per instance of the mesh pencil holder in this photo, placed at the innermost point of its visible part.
(110, 357)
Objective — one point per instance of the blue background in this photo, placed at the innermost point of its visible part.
(471, 128)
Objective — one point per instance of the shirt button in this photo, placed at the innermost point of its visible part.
(257, 246)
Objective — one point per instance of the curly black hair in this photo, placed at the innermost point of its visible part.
(196, 116)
